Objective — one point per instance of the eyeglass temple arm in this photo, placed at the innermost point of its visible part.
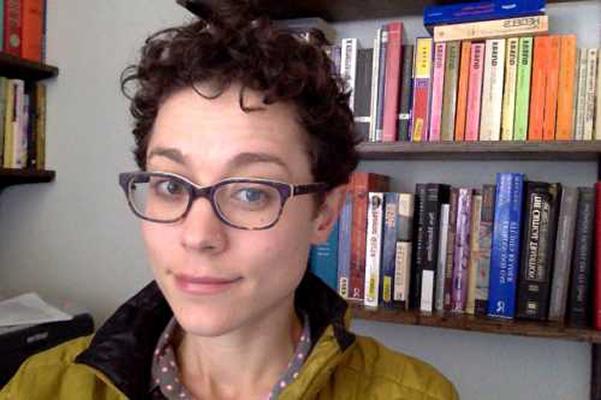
(310, 188)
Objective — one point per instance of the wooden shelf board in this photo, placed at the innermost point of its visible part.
(18, 68)
(464, 322)
(10, 176)
(552, 151)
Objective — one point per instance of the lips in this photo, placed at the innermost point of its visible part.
(199, 285)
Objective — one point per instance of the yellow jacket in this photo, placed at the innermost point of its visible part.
(115, 363)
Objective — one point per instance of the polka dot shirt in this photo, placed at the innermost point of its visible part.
(165, 377)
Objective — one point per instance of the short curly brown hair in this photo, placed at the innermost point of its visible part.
(238, 45)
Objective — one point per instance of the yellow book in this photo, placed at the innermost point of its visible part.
(8, 125)
(421, 89)
(40, 126)
(498, 28)
(509, 89)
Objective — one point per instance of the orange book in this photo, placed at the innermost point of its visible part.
(542, 46)
(551, 87)
(32, 30)
(565, 95)
(464, 75)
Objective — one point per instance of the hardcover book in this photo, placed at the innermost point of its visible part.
(484, 246)
(533, 25)
(348, 66)
(392, 81)
(474, 255)
(381, 101)
(363, 92)
(406, 87)
(597, 267)
(13, 18)
(441, 264)
(462, 251)
(450, 252)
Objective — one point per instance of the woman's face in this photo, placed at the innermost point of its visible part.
(217, 278)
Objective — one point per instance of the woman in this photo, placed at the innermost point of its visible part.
(244, 142)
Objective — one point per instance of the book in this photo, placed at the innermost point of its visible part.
(392, 81)
(598, 105)
(540, 61)
(3, 100)
(580, 111)
(323, 259)
(511, 69)
(406, 211)
(484, 245)
(8, 124)
(532, 25)
(32, 29)
(540, 223)
(405, 96)
(348, 66)
(373, 248)
(450, 251)
(481, 11)
(419, 245)
(449, 96)
(383, 54)
(461, 251)
(504, 258)
(474, 251)
(591, 86)
(13, 17)
(441, 263)
(389, 240)
(462, 90)
(564, 244)
(344, 245)
(551, 88)
(492, 90)
(363, 92)
(597, 265)
(421, 89)
(402, 274)
(565, 93)
(373, 108)
(474, 96)
(40, 125)
(522, 89)
(579, 301)
(438, 70)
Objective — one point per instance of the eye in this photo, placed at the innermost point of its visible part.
(167, 187)
(251, 195)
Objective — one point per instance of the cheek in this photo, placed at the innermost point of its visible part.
(159, 243)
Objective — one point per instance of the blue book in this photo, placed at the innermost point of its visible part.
(323, 259)
(480, 11)
(505, 252)
(388, 260)
(344, 246)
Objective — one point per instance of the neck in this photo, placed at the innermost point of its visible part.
(246, 362)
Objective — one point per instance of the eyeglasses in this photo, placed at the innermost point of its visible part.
(243, 203)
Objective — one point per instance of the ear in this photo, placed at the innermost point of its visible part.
(328, 214)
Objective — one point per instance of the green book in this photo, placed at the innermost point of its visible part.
(449, 98)
(522, 91)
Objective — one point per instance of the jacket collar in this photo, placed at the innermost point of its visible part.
(123, 347)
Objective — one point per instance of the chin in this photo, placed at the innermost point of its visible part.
(207, 323)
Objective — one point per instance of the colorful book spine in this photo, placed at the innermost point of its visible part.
(462, 251)
(494, 29)
(323, 259)
(363, 92)
(462, 91)
(391, 223)
(564, 244)
(344, 246)
(448, 281)
(591, 86)
(32, 29)
(421, 89)
(392, 82)
(484, 245)
(373, 249)
(511, 71)
(441, 264)
(565, 95)
(492, 90)
(348, 66)
(540, 60)
(437, 91)
(8, 124)
(19, 134)
(449, 98)
(522, 90)
(597, 267)
(381, 83)
(551, 88)
(474, 96)
(402, 276)
(582, 64)
(474, 255)
(505, 260)
(13, 18)
(405, 97)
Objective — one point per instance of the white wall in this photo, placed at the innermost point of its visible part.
(75, 238)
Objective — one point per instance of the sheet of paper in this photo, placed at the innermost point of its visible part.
(28, 309)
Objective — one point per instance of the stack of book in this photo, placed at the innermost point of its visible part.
(23, 28)
(510, 249)
(491, 71)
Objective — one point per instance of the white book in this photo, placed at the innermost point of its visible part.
(402, 273)
(580, 94)
(441, 264)
(348, 65)
(508, 111)
(474, 258)
(373, 248)
(492, 90)
(374, 87)
(597, 133)
(591, 88)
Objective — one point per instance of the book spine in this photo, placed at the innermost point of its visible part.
(437, 91)
(564, 244)
(18, 125)
(511, 68)
(405, 211)
(538, 244)
(402, 274)
(324, 259)
(344, 246)
(12, 27)
(565, 95)
(474, 253)
(32, 29)
(522, 90)
(419, 245)
(591, 86)
(484, 245)
(3, 92)
(450, 251)
(373, 109)
(421, 90)
(581, 95)
(462, 248)
(504, 262)
(405, 97)
(381, 83)
(579, 307)
(551, 88)
(474, 96)
(363, 92)
(597, 267)
(540, 59)
(449, 98)
(40, 125)
(481, 11)
(391, 223)
(373, 249)
(441, 264)
(8, 124)
(521, 26)
(2, 25)
(598, 105)
(462, 91)
(348, 67)
(392, 82)
(492, 90)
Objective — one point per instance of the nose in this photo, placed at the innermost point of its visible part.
(202, 230)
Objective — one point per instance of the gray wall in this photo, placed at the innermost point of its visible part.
(75, 238)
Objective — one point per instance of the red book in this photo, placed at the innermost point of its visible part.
(12, 27)
(540, 62)
(392, 82)
(361, 184)
(32, 29)
(597, 265)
